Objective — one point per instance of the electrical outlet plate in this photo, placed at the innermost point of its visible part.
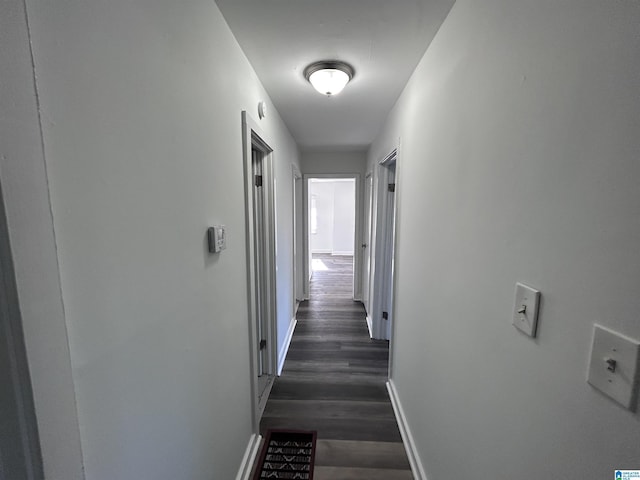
(613, 368)
(525, 309)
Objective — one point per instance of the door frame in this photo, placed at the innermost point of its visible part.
(357, 236)
(298, 235)
(383, 279)
(253, 137)
(24, 458)
(368, 224)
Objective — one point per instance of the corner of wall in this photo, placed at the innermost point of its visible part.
(25, 187)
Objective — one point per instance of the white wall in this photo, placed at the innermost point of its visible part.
(344, 217)
(321, 193)
(333, 162)
(336, 209)
(286, 154)
(143, 151)
(24, 186)
(518, 162)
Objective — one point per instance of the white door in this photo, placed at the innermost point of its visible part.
(262, 298)
(366, 241)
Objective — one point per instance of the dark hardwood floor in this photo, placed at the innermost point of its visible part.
(334, 382)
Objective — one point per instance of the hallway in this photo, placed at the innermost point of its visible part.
(127, 135)
(334, 382)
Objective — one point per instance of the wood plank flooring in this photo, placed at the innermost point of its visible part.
(334, 382)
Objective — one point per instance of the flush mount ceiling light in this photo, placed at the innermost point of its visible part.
(329, 77)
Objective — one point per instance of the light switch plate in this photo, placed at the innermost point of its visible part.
(525, 309)
(613, 368)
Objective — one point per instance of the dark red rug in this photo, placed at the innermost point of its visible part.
(287, 454)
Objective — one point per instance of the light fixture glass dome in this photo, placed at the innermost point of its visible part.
(329, 77)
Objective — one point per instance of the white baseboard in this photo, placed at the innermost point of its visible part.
(321, 250)
(339, 253)
(405, 432)
(370, 325)
(282, 354)
(249, 458)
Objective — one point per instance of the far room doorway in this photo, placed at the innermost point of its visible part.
(332, 219)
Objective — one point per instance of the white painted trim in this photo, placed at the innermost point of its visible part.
(342, 254)
(409, 445)
(370, 326)
(262, 403)
(383, 249)
(282, 355)
(14, 364)
(368, 225)
(395, 255)
(249, 458)
(321, 250)
(297, 272)
(253, 136)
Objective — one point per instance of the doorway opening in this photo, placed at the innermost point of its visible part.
(332, 204)
(261, 262)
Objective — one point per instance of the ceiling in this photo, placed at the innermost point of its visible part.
(382, 39)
